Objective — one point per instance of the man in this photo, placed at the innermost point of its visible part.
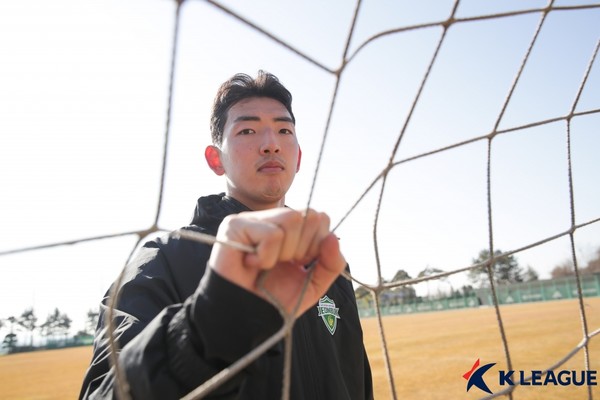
(189, 310)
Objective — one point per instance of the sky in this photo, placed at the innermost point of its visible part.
(83, 110)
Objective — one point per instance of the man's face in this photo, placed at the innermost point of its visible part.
(259, 154)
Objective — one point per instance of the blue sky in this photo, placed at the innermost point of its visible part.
(83, 99)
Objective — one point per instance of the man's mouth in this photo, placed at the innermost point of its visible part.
(271, 167)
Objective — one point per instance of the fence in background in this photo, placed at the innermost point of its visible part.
(542, 290)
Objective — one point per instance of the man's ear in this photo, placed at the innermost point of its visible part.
(213, 159)
(299, 159)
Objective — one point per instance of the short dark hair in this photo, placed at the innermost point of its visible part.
(240, 87)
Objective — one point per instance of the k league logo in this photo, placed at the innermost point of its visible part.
(474, 377)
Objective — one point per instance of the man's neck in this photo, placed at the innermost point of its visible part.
(259, 206)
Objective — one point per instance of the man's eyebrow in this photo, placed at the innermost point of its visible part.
(283, 119)
(256, 118)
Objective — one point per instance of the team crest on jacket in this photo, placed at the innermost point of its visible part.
(329, 313)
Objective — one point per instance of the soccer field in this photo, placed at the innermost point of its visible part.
(429, 353)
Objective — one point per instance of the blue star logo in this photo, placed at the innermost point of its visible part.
(475, 377)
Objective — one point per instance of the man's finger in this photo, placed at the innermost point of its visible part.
(329, 266)
(305, 250)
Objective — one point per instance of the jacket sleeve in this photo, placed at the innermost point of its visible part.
(184, 343)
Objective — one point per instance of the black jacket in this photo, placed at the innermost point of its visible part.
(179, 324)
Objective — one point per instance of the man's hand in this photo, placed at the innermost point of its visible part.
(285, 241)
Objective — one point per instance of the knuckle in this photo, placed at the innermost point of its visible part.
(278, 234)
(310, 216)
(295, 218)
(325, 219)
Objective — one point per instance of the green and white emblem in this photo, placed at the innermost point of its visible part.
(329, 313)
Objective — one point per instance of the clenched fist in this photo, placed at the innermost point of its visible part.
(285, 241)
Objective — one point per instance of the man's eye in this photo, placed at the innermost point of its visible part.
(286, 132)
(246, 131)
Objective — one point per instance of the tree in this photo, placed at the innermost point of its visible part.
(506, 269)
(56, 324)
(566, 268)
(10, 342)
(563, 269)
(594, 265)
(428, 271)
(398, 295)
(64, 324)
(361, 292)
(48, 328)
(530, 275)
(12, 321)
(467, 290)
(28, 321)
(364, 297)
(401, 275)
(92, 321)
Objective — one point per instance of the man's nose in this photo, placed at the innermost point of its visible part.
(270, 143)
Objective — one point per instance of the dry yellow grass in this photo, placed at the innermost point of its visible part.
(44, 375)
(429, 353)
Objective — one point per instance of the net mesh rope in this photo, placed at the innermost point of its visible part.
(382, 179)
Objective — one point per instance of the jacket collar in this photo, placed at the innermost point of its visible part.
(210, 210)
